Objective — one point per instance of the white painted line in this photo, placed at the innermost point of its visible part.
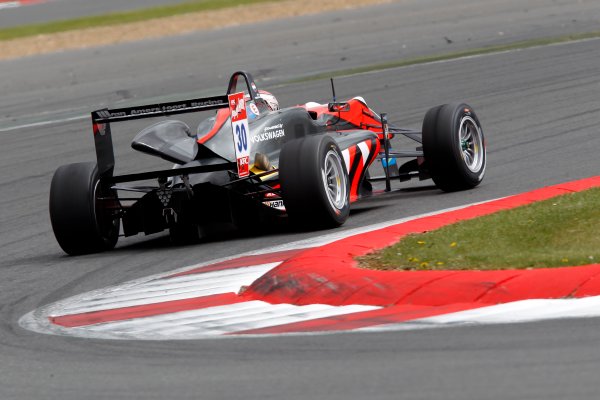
(19, 3)
(43, 123)
(513, 312)
(10, 4)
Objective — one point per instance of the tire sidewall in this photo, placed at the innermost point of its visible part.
(443, 150)
(459, 112)
(79, 226)
(302, 186)
(339, 215)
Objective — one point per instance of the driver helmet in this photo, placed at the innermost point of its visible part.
(264, 102)
(269, 99)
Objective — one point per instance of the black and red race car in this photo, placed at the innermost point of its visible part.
(253, 162)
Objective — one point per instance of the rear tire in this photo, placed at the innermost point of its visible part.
(314, 182)
(454, 147)
(81, 211)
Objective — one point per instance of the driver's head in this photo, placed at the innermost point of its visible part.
(269, 99)
(263, 103)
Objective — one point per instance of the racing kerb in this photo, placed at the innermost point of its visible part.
(314, 286)
(18, 3)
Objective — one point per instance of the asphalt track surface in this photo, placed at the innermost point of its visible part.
(56, 10)
(540, 112)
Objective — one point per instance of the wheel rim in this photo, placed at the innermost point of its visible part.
(471, 143)
(334, 180)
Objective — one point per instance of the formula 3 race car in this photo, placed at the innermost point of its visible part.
(253, 162)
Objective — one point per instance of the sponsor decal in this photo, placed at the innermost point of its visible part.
(108, 114)
(237, 106)
(205, 103)
(145, 110)
(157, 109)
(164, 195)
(243, 164)
(269, 133)
(240, 129)
(254, 109)
(278, 204)
(174, 107)
(99, 129)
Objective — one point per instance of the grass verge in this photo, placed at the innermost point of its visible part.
(121, 17)
(561, 231)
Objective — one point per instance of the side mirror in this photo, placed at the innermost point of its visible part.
(338, 107)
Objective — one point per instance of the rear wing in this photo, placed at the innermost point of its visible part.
(102, 119)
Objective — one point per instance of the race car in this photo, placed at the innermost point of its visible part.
(253, 162)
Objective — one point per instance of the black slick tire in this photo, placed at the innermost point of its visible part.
(82, 214)
(314, 182)
(454, 147)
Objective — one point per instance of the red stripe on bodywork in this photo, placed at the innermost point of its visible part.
(351, 157)
(375, 147)
(221, 118)
(357, 174)
(146, 310)
(354, 166)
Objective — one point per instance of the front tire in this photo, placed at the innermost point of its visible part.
(82, 212)
(314, 182)
(454, 147)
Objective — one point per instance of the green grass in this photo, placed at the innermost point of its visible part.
(121, 17)
(562, 231)
(450, 56)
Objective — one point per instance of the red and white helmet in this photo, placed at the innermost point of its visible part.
(269, 99)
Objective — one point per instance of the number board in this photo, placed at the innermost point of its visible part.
(241, 131)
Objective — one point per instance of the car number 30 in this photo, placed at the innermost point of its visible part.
(242, 137)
